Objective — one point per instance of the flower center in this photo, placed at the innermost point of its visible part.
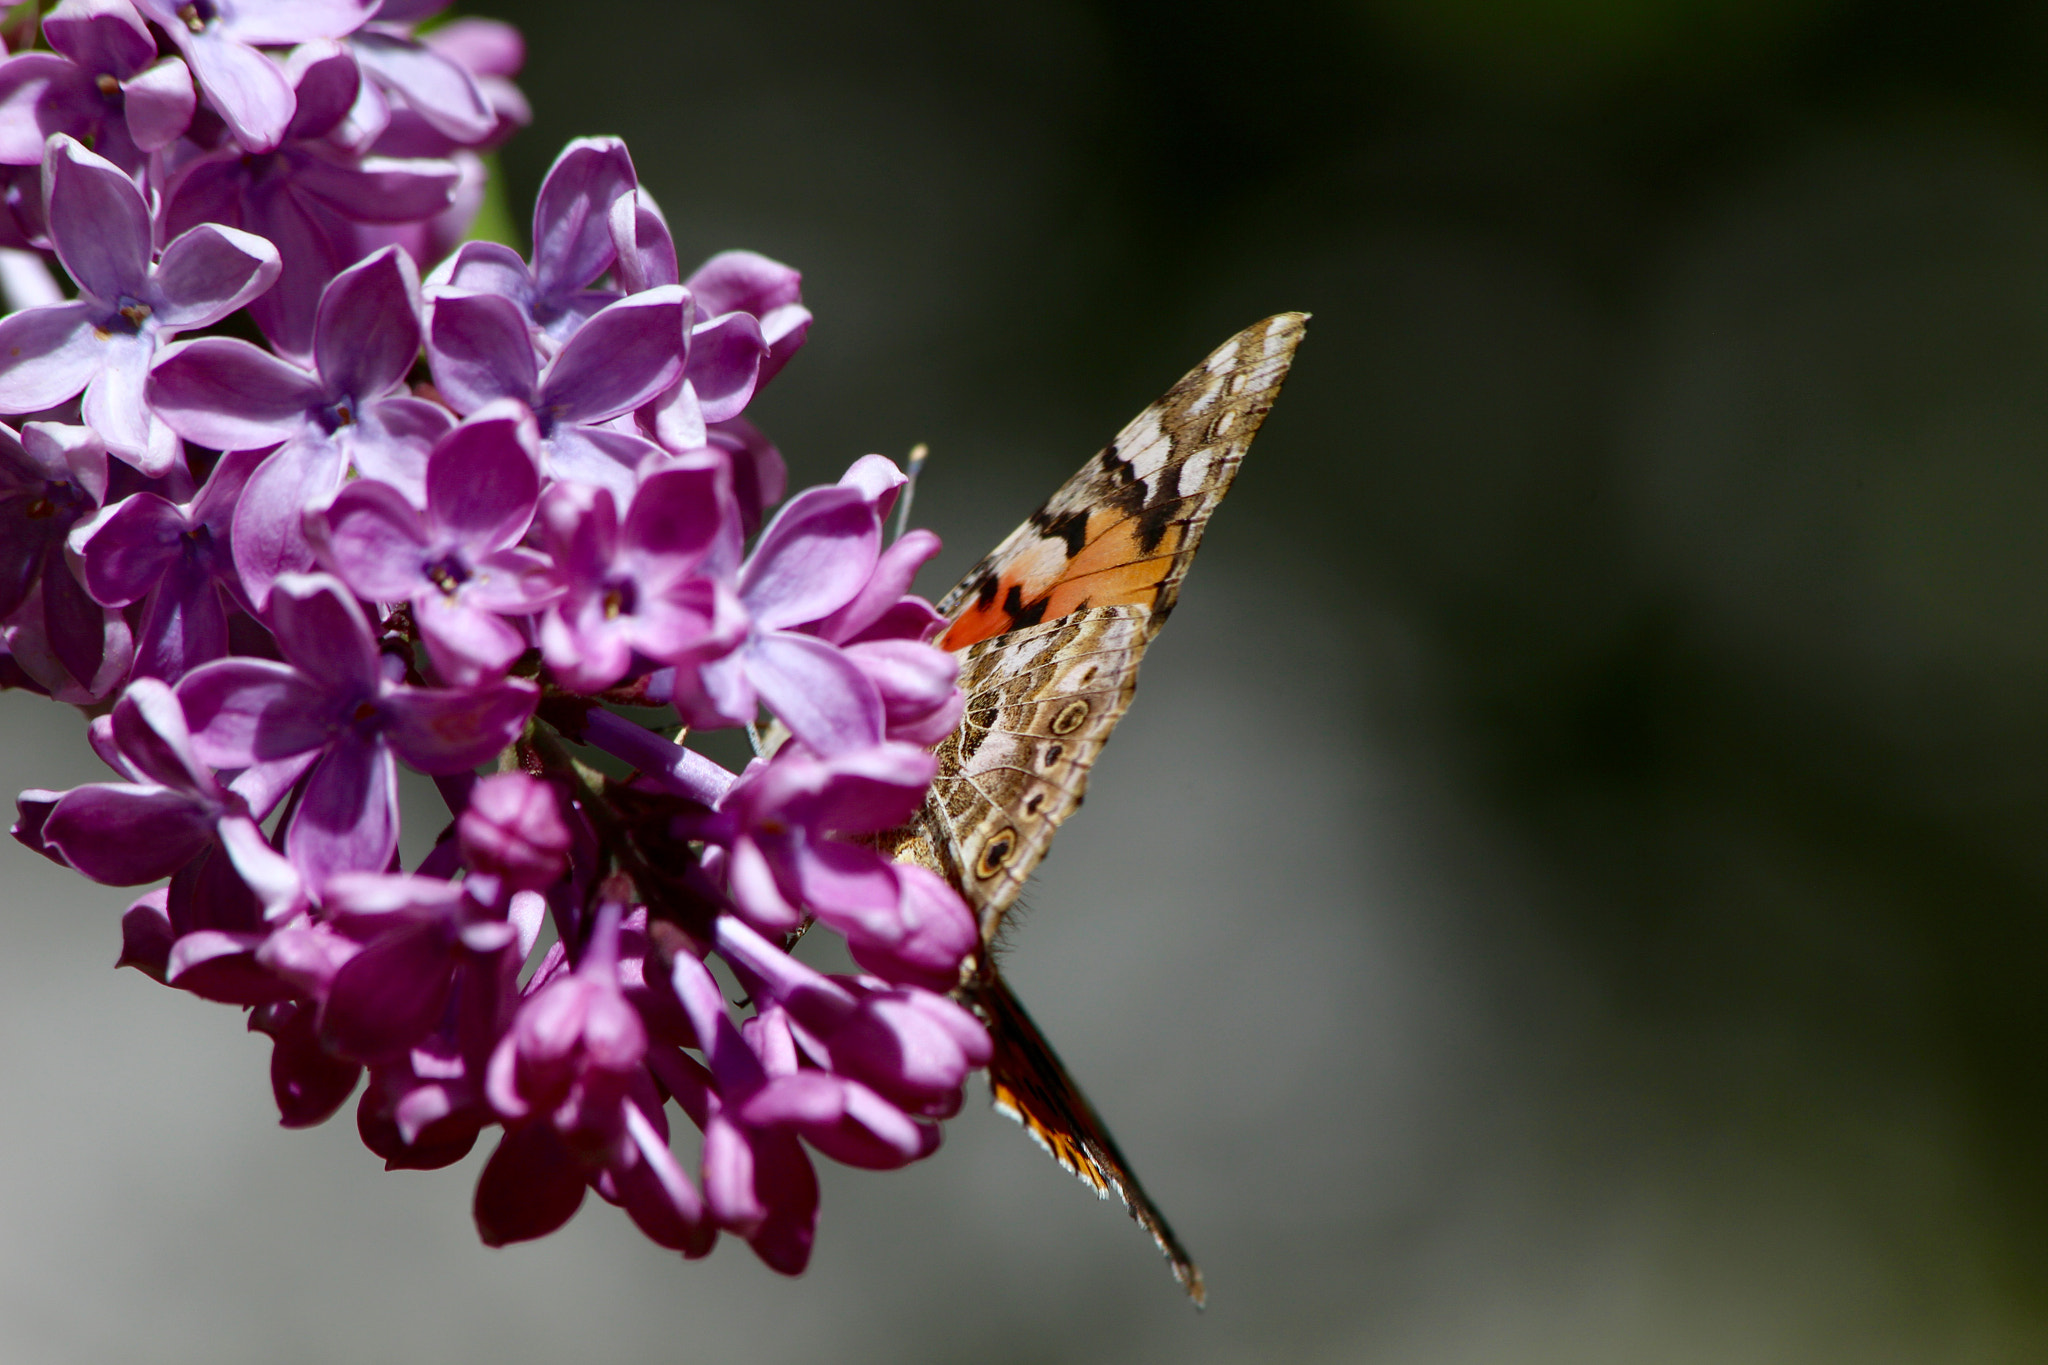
(337, 415)
(59, 500)
(619, 599)
(197, 15)
(108, 86)
(448, 573)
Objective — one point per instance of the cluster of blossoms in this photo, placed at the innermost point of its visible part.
(453, 522)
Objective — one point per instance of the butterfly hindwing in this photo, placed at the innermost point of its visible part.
(1028, 1083)
(1040, 705)
(1050, 628)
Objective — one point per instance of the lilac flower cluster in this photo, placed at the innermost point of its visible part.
(453, 523)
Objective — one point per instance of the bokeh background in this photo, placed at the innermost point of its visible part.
(1572, 887)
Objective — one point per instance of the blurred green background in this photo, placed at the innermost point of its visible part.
(1571, 888)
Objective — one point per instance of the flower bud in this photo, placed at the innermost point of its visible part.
(514, 829)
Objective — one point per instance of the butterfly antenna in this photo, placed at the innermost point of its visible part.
(918, 455)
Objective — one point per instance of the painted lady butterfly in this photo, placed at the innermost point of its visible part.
(1050, 628)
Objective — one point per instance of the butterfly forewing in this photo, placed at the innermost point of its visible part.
(1051, 627)
(1124, 529)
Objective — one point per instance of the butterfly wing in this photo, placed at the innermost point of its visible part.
(1028, 1083)
(1051, 627)
(1068, 601)
(1041, 702)
(1124, 529)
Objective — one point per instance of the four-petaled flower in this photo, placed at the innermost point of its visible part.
(131, 301)
(338, 705)
(459, 562)
(351, 410)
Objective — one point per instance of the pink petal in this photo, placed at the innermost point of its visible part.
(480, 351)
(159, 104)
(372, 537)
(325, 634)
(625, 355)
(813, 558)
(48, 355)
(367, 333)
(446, 732)
(348, 819)
(226, 394)
(209, 272)
(97, 220)
(249, 91)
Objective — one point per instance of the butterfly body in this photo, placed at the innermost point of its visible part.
(1050, 628)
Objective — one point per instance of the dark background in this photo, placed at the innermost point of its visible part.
(1572, 886)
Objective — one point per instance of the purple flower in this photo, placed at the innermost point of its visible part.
(102, 85)
(481, 352)
(777, 826)
(572, 244)
(423, 1111)
(309, 1082)
(220, 39)
(425, 1108)
(725, 349)
(757, 1179)
(352, 409)
(814, 559)
(492, 52)
(459, 562)
(128, 305)
(307, 196)
(174, 558)
(772, 1080)
(171, 808)
(575, 1046)
(580, 1107)
(885, 631)
(912, 1046)
(335, 701)
(418, 935)
(51, 479)
(36, 643)
(749, 283)
(578, 478)
(513, 830)
(173, 816)
(762, 1084)
(441, 91)
(645, 585)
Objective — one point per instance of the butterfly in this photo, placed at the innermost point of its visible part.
(1050, 628)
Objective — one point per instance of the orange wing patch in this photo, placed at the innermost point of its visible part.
(1113, 569)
